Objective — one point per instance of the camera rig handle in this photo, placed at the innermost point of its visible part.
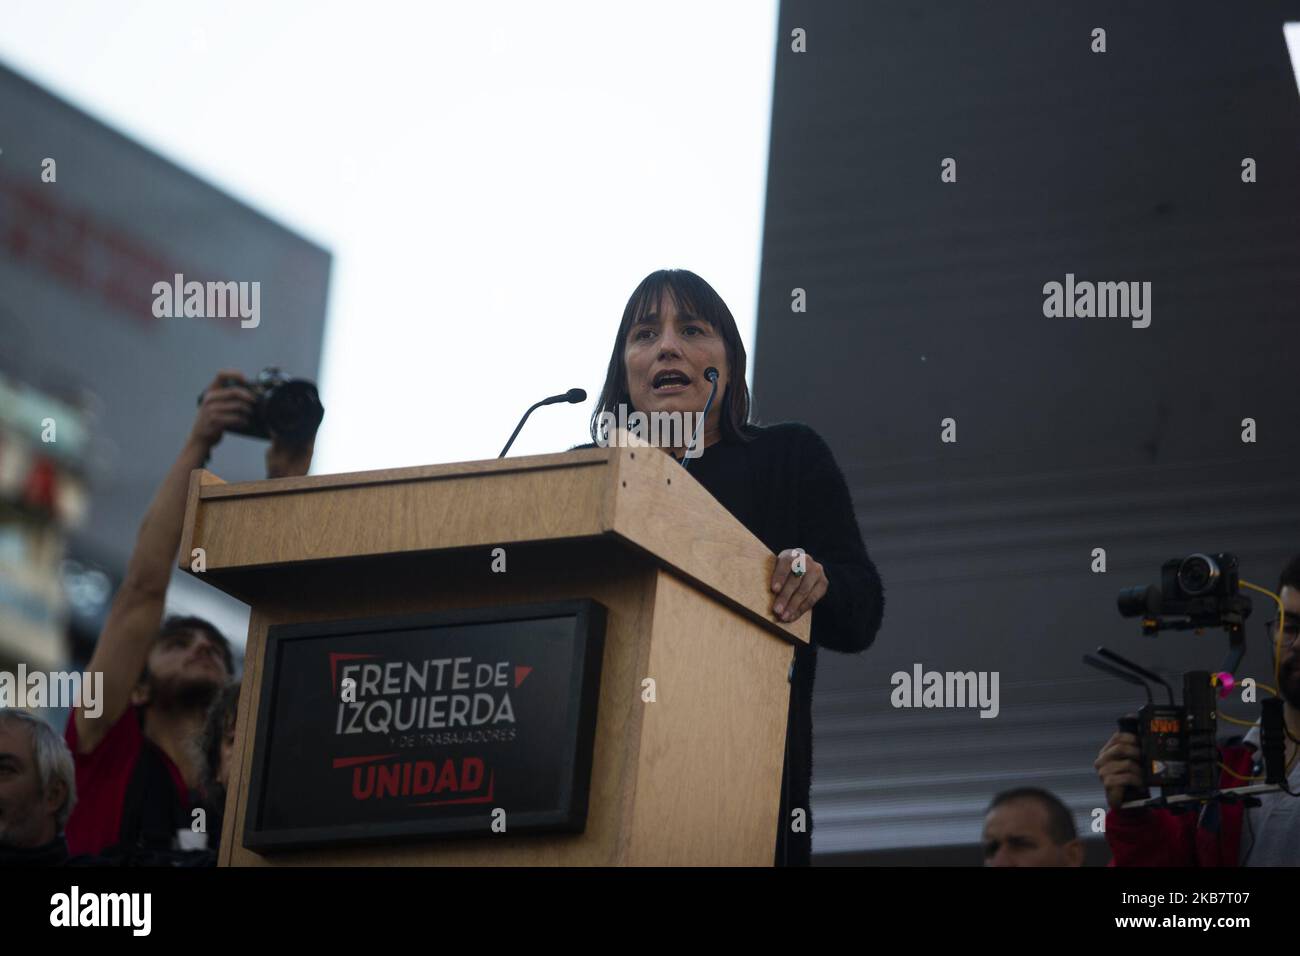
(1129, 725)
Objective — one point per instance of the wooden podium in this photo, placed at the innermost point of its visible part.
(691, 778)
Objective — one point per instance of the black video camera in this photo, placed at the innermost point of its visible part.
(1200, 590)
(283, 407)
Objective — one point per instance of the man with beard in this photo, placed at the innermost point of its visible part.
(1220, 834)
(139, 770)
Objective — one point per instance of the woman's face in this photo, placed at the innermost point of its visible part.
(665, 342)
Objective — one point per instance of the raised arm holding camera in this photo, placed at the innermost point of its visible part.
(138, 770)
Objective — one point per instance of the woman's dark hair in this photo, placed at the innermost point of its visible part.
(693, 296)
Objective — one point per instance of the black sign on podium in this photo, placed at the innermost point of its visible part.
(426, 725)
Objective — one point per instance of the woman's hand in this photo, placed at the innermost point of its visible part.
(796, 594)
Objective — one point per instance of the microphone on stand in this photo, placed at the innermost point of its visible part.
(711, 374)
(573, 396)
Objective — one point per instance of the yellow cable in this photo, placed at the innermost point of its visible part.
(1277, 641)
(1224, 767)
(1247, 723)
(1277, 678)
(1237, 720)
(1287, 774)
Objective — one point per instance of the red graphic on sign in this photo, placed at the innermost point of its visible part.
(334, 659)
(416, 778)
(340, 762)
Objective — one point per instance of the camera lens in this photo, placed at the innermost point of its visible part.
(1197, 574)
(293, 410)
(1139, 601)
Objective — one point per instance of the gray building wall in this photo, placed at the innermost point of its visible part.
(78, 260)
(925, 301)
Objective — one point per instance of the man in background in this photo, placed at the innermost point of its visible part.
(1030, 827)
(37, 791)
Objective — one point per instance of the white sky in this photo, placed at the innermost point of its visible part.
(1291, 31)
(493, 179)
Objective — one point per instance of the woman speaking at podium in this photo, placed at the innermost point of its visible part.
(780, 481)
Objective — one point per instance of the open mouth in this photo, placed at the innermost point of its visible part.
(670, 380)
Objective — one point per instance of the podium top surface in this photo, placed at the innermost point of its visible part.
(638, 495)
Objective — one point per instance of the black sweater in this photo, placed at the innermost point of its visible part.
(785, 487)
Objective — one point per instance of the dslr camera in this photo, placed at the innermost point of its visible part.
(1200, 590)
(283, 407)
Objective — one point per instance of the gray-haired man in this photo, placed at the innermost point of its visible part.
(37, 791)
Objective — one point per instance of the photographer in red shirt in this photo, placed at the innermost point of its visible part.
(138, 768)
